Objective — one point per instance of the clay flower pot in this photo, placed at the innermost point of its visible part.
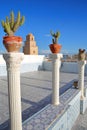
(55, 48)
(10, 25)
(12, 43)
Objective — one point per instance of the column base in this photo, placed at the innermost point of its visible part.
(55, 104)
(82, 97)
(83, 105)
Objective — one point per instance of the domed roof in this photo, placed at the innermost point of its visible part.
(30, 34)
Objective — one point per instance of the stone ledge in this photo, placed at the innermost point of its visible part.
(45, 118)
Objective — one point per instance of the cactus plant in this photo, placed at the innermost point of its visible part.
(11, 24)
(55, 36)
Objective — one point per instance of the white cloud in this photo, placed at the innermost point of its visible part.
(68, 51)
(44, 52)
(47, 35)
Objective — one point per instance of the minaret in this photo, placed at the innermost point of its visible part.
(30, 45)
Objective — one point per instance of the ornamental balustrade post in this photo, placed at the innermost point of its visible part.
(81, 69)
(56, 62)
(81, 66)
(13, 61)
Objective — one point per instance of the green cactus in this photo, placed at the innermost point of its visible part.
(12, 19)
(11, 24)
(55, 36)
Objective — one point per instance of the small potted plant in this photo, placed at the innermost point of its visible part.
(10, 25)
(55, 47)
(75, 84)
(81, 55)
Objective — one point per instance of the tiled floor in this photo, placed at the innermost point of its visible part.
(81, 122)
(36, 89)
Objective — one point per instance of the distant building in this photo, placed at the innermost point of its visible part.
(65, 56)
(70, 58)
(30, 45)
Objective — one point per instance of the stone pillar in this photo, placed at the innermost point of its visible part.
(13, 61)
(81, 67)
(55, 77)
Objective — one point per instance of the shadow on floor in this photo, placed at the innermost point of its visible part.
(36, 106)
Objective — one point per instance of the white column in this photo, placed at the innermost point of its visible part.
(81, 67)
(55, 77)
(13, 61)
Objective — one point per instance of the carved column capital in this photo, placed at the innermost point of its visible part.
(13, 60)
(56, 56)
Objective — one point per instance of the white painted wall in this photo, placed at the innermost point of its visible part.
(30, 63)
(33, 58)
(47, 65)
(36, 62)
(67, 67)
(2, 61)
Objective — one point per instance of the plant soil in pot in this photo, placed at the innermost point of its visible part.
(12, 43)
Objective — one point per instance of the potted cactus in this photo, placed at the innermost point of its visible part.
(55, 47)
(12, 43)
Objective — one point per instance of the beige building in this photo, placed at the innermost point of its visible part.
(30, 45)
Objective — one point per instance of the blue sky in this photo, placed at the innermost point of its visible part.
(67, 16)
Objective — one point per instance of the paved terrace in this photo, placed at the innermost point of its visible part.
(36, 89)
(81, 122)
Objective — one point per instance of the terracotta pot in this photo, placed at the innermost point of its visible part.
(55, 48)
(12, 43)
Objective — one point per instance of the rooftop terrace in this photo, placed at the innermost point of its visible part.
(36, 89)
(36, 94)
